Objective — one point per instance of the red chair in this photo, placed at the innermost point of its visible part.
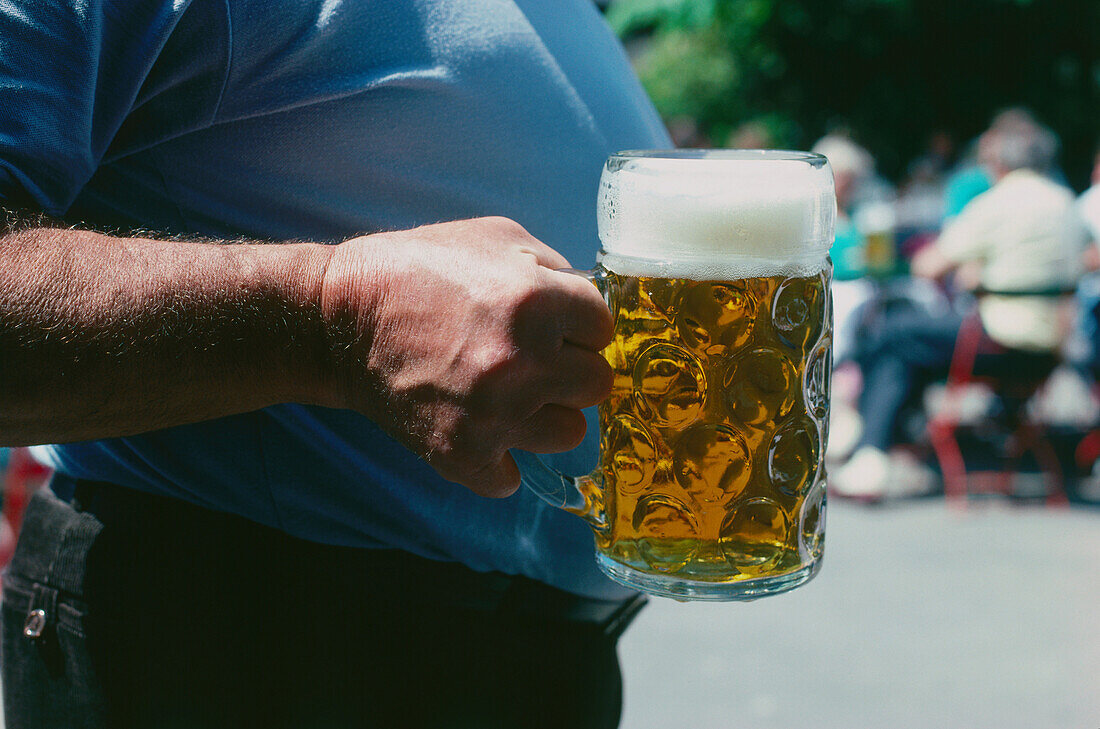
(1015, 376)
(23, 477)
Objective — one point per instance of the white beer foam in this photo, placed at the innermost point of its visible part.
(726, 269)
(719, 216)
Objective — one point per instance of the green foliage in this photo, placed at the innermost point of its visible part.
(644, 15)
(707, 90)
(892, 71)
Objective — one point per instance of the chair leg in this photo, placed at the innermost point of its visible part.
(1031, 436)
(1052, 469)
(1018, 442)
(952, 464)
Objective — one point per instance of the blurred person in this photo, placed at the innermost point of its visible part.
(1088, 294)
(974, 177)
(1087, 340)
(1020, 237)
(1088, 205)
(751, 135)
(686, 133)
(284, 495)
(865, 215)
(852, 166)
(940, 152)
(921, 194)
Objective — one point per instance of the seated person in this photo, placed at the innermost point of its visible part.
(852, 166)
(1020, 237)
(1088, 207)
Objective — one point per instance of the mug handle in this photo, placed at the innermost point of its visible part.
(578, 495)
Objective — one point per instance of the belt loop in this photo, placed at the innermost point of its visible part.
(66, 568)
(42, 612)
(40, 628)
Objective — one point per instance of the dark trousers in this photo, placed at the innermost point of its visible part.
(131, 611)
(909, 349)
(902, 353)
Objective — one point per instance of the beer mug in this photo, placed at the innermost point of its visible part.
(710, 483)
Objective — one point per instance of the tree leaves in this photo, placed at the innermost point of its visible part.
(892, 71)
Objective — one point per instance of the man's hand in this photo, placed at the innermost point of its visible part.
(462, 341)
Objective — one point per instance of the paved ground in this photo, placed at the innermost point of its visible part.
(921, 617)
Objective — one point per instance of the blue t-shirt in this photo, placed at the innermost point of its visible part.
(320, 119)
(964, 186)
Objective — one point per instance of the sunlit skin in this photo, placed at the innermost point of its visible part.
(459, 339)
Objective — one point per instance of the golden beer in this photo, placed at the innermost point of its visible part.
(710, 484)
(712, 438)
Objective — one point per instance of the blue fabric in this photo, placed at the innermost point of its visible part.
(849, 251)
(319, 119)
(906, 348)
(964, 186)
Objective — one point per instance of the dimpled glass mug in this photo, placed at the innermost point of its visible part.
(710, 483)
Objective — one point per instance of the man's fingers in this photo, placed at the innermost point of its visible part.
(579, 378)
(553, 429)
(496, 480)
(580, 311)
(546, 256)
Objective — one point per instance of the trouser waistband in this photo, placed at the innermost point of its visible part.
(53, 543)
(58, 535)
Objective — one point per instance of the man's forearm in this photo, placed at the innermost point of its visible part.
(458, 339)
(103, 336)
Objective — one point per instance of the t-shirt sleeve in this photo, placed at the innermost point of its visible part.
(70, 71)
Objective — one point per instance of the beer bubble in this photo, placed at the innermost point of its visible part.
(667, 533)
(819, 373)
(797, 311)
(611, 290)
(669, 386)
(652, 299)
(753, 536)
(793, 456)
(712, 462)
(632, 453)
(812, 527)
(715, 319)
(759, 386)
(659, 295)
